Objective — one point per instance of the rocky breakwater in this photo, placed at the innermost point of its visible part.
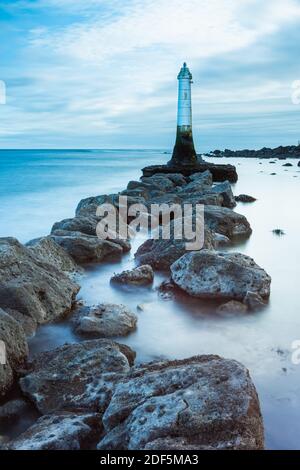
(91, 392)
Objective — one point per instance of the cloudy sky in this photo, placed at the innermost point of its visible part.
(102, 73)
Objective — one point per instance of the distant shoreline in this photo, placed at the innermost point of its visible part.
(281, 152)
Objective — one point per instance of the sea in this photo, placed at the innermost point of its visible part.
(40, 187)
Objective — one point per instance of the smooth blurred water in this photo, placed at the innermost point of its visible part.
(52, 183)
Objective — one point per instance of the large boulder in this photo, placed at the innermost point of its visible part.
(47, 250)
(60, 431)
(140, 276)
(15, 350)
(160, 253)
(76, 376)
(217, 275)
(86, 248)
(202, 402)
(226, 222)
(105, 321)
(33, 287)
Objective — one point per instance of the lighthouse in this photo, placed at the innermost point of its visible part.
(184, 151)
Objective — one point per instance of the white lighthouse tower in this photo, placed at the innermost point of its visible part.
(184, 151)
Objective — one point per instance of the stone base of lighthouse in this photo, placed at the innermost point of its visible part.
(184, 152)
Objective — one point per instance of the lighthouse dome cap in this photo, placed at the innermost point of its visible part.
(185, 72)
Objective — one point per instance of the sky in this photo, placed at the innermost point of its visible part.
(103, 73)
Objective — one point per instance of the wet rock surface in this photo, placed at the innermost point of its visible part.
(50, 252)
(105, 320)
(161, 254)
(60, 431)
(140, 276)
(217, 275)
(86, 248)
(16, 350)
(77, 376)
(32, 287)
(201, 402)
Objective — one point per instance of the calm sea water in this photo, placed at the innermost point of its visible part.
(38, 188)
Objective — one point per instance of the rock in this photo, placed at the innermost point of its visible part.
(140, 276)
(226, 222)
(28, 324)
(166, 290)
(16, 349)
(202, 402)
(105, 320)
(298, 163)
(60, 431)
(217, 275)
(83, 224)
(225, 191)
(86, 373)
(32, 287)
(160, 254)
(48, 251)
(158, 181)
(287, 164)
(245, 198)
(221, 240)
(220, 172)
(254, 301)
(12, 411)
(278, 231)
(88, 206)
(200, 182)
(86, 248)
(233, 306)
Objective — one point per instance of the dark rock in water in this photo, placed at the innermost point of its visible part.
(245, 198)
(216, 275)
(14, 339)
(254, 301)
(298, 163)
(273, 174)
(202, 402)
(32, 287)
(50, 252)
(60, 431)
(12, 411)
(86, 248)
(140, 276)
(233, 306)
(105, 321)
(78, 376)
(219, 172)
(166, 290)
(287, 164)
(226, 222)
(278, 231)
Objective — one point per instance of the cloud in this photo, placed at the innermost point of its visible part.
(104, 68)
